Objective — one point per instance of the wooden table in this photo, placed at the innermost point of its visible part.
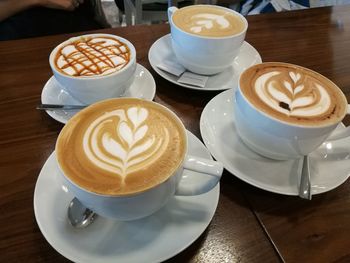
(250, 225)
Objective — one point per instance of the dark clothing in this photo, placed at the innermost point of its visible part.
(120, 5)
(42, 21)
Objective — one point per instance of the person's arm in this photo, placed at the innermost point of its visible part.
(10, 7)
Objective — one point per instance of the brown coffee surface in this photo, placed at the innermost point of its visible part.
(121, 146)
(92, 56)
(209, 21)
(293, 94)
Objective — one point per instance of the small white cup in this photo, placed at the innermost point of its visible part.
(276, 139)
(139, 205)
(205, 55)
(91, 89)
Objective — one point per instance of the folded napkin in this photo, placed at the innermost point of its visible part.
(185, 77)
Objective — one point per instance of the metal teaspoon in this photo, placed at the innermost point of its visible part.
(305, 182)
(60, 107)
(78, 215)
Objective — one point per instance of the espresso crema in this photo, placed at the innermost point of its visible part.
(293, 94)
(121, 146)
(208, 21)
(92, 56)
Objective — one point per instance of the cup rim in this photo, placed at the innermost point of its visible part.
(54, 51)
(171, 174)
(212, 37)
(289, 123)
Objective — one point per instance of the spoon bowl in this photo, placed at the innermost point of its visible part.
(78, 215)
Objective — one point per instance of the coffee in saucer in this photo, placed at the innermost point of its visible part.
(284, 111)
(206, 38)
(123, 158)
(94, 67)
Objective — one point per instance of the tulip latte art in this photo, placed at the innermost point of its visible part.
(92, 56)
(121, 146)
(293, 94)
(208, 21)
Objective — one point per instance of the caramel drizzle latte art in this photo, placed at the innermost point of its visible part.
(119, 142)
(91, 56)
(293, 93)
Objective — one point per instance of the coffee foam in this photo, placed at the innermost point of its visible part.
(120, 148)
(91, 56)
(293, 94)
(208, 21)
(131, 149)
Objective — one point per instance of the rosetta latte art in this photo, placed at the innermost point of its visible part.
(293, 93)
(128, 146)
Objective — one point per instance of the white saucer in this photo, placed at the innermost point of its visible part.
(161, 50)
(329, 164)
(143, 87)
(152, 239)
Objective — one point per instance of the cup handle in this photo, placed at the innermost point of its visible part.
(209, 175)
(171, 11)
(340, 134)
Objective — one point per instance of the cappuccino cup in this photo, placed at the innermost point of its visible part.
(206, 38)
(94, 67)
(124, 158)
(284, 111)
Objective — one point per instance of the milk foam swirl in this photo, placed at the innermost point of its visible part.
(293, 93)
(207, 21)
(119, 141)
(92, 56)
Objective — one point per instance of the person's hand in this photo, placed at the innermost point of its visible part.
(68, 5)
(10, 7)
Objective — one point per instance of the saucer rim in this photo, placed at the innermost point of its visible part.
(215, 193)
(165, 74)
(242, 175)
(63, 120)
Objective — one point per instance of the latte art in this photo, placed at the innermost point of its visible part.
(119, 141)
(208, 21)
(91, 56)
(293, 94)
(121, 146)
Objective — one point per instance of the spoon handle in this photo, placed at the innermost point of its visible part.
(59, 107)
(305, 182)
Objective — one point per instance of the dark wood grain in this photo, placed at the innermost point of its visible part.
(250, 225)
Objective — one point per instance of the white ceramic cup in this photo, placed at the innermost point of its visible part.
(276, 139)
(139, 205)
(205, 55)
(90, 89)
